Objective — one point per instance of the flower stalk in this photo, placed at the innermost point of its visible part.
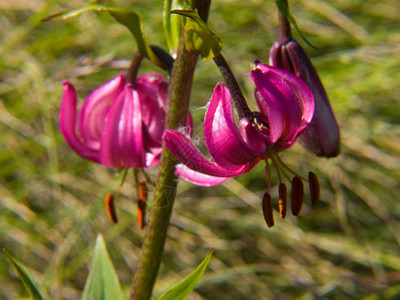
(177, 111)
(230, 81)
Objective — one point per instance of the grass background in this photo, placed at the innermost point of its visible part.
(51, 200)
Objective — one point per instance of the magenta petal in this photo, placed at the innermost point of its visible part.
(149, 85)
(189, 155)
(285, 100)
(222, 137)
(122, 139)
(152, 93)
(94, 110)
(153, 157)
(68, 124)
(302, 92)
(198, 178)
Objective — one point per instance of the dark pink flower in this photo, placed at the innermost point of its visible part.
(119, 125)
(286, 107)
(322, 136)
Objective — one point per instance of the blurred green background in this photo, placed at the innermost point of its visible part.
(51, 200)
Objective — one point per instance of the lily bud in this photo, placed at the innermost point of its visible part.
(322, 135)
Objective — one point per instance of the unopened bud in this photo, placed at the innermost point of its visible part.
(322, 135)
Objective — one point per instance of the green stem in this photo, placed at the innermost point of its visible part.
(285, 34)
(153, 244)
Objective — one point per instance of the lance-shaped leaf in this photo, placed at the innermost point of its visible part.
(23, 275)
(102, 283)
(172, 24)
(124, 16)
(199, 37)
(185, 287)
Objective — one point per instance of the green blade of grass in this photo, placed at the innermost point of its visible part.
(24, 276)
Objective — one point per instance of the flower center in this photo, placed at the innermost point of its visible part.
(260, 121)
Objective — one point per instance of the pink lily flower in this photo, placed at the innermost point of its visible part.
(119, 125)
(286, 108)
(322, 136)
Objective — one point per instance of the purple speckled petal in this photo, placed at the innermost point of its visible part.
(94, 110)
(188, 154)
(68, 123)
(122, 139)
(152, 92)
(285, 100)
(221, 134)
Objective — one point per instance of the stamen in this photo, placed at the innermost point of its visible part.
(267, 209)
(125, 171)
(282, 200)
(284, 166)
(110, 208)
(267, 175)
(141, 209)
(297, 195)
(314, 188)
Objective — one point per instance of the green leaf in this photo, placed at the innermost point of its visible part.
(23, 275)
(185, 287)
(199, 37)
(124, 16)
(284, 9)
(172, 24)
(102, 282)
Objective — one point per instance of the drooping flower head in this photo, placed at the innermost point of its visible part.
(286, 108)
(119, 125)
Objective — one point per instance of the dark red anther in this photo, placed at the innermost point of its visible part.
(297, 195)
(141, 209)
(314, 188)
(267, 210)
(282, 200)
(110, 208)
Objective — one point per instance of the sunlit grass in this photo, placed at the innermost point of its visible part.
(347, 247)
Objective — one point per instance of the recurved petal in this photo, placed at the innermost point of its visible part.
(188, 154)
(198, 178)
(94, 110)
(149, 84)
(221, 134)
(122, 140)
(152, 93)
(153, 157)
(302, 92)
(285, 100)
(68, 123)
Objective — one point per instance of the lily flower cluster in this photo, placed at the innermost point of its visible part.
(286, 108)
(120, 124)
